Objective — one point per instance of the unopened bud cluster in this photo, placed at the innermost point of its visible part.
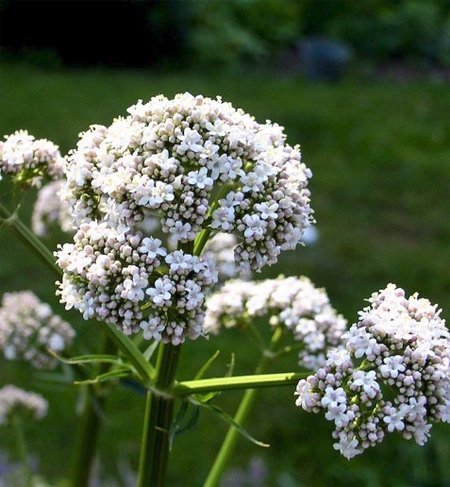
(294, 303)
(393, 375)
(29, 329)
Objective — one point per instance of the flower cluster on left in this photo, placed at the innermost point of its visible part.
(29, 329)
(14, 400)
(29, 160)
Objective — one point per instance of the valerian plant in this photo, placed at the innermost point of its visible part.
(166, 204)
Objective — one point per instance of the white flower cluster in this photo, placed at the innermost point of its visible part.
(49, 210)
(220, 250)
(17, 401)
(30, 160)
(291, 302)
(29, 329)
(121, 277)
(392, 375)
(199, 164)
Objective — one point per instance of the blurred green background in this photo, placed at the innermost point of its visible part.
(379, 149)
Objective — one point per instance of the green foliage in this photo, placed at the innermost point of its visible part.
(235, 32)
(381, 30)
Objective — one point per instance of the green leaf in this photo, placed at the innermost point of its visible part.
(65, 377)
(118, 373)
(230, 420)
(88, 359)
(148, 354)
(180, 424)
(231, 366)
(206, 365)
(143, 368)
(204, 398)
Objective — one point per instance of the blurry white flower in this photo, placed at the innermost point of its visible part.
(29, 329)
(17, 401)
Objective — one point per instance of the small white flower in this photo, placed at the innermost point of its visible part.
(178, 261)
(255, 227)
(348, 446)
(333, 397)
(395, 418)
(161, 293)
(267, 210)
(223, 218)
(392, 366)
(367, 381)
(152, 247)
(200, 179)
(13, 399)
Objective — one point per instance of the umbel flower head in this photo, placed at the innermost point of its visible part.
(29, 329)
(17, 401)
(201, 167)
(30, 160)
(294, 303)
(199, 164)
(393, 375)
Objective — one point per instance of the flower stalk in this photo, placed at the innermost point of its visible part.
(87, 437)
(245, 406)
(157, 420)
(259, 381)
(27, 237)
(22, 450)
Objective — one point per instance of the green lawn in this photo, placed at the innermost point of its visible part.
(380, 154)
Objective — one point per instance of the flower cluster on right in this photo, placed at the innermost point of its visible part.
(392, 375)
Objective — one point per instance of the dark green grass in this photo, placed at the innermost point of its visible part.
(380, 155)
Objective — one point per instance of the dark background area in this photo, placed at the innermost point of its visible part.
(228, 34)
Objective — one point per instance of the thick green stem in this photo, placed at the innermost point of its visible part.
(29, 239)
(245, 406)
(21, 445)
(157, 420)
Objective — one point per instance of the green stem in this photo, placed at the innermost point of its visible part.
(158, 417)
(143, 368)
(229, 444)
(190, 387)
(87, 437)
(94, 397)
(29, 239)
(21, 445)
